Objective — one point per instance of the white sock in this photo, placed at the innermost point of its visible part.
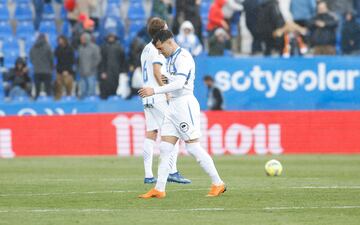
(166, 150)
(205, 161)
(174, 156)
(148, 157)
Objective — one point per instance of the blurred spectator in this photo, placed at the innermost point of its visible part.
(303, 11)
(17, 80)
(81, 7)
(137, 45)
(112, 64)
(340, 7)
(215, 100)
(42, 59)
(188, 40)
(250, 7)
(350, 35)
(357, 7)
(232, 6)
(111, 25)
(323, 31)
(269, 19)
(98, 12)
(216, 17)
(160, 8)
(39, 10)
(64, 54)
(217, 42)
(89, 25)
(291, 33)
(76, 30)
(89, 59)
(188, 10)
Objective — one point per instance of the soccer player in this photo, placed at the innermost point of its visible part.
(182, 119)
(155, 105)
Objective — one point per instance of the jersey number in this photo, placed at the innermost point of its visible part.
(145, 75)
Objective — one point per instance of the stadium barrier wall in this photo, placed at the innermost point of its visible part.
(234, 133)
(321, 83)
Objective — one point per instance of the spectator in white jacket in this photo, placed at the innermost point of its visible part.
(188, 40)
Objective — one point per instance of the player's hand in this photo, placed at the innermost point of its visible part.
(164, 79)
(146, 92)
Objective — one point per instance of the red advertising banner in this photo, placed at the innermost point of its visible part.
(236, 133)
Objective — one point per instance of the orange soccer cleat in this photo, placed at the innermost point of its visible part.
(216, 190)
(153, 193)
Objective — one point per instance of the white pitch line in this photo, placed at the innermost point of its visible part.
(104, 210)
(327, 187)
(312, 207)
(90, 192)
(62, 193)
(174, 210)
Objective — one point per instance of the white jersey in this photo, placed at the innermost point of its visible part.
(150, 56)
(181, 63)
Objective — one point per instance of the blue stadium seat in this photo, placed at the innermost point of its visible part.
(44, 99)
(66, 28)
(63, 13)
(68, 99)
(48, 27)
(204, 31)
(29, 42)
(135, 26)
(10, 56)
(23, 12)
(113, 10)
(118, 2)
(24, 29)
(112, 25)
(4, 12)
(136, 11)
(22, 1)
(92, 99)
(5, 29)
(204, 9)
(21, 99)
(10, 42)
(49, 13)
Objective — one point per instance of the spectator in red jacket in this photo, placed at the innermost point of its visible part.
(216, 17)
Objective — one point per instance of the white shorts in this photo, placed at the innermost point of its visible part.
(182, 119)
(154, 116)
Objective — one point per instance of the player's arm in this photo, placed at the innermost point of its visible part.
(157, 73)
(177, 84)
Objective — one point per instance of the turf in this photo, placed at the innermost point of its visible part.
(62, 191)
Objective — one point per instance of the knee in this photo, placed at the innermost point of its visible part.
(166, 148)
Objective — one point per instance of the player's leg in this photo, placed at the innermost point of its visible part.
(148, 153)
(168, 140)
(166, 150)
(189, 130)
(157, 115)
(207, 164)
(175, 175)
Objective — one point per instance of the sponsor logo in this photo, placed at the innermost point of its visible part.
(271, 82)
(184, 127)
(6, 150)
(236, 139)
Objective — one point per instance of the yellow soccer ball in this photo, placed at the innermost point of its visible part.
(273, 168)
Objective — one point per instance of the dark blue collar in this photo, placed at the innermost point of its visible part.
(176, 51)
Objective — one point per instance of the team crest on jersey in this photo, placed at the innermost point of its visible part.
(184, 127)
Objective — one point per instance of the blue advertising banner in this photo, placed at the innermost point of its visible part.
(277, 84)
(70, 107)
(319, 83)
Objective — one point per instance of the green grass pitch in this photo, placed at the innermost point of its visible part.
(103, 190)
